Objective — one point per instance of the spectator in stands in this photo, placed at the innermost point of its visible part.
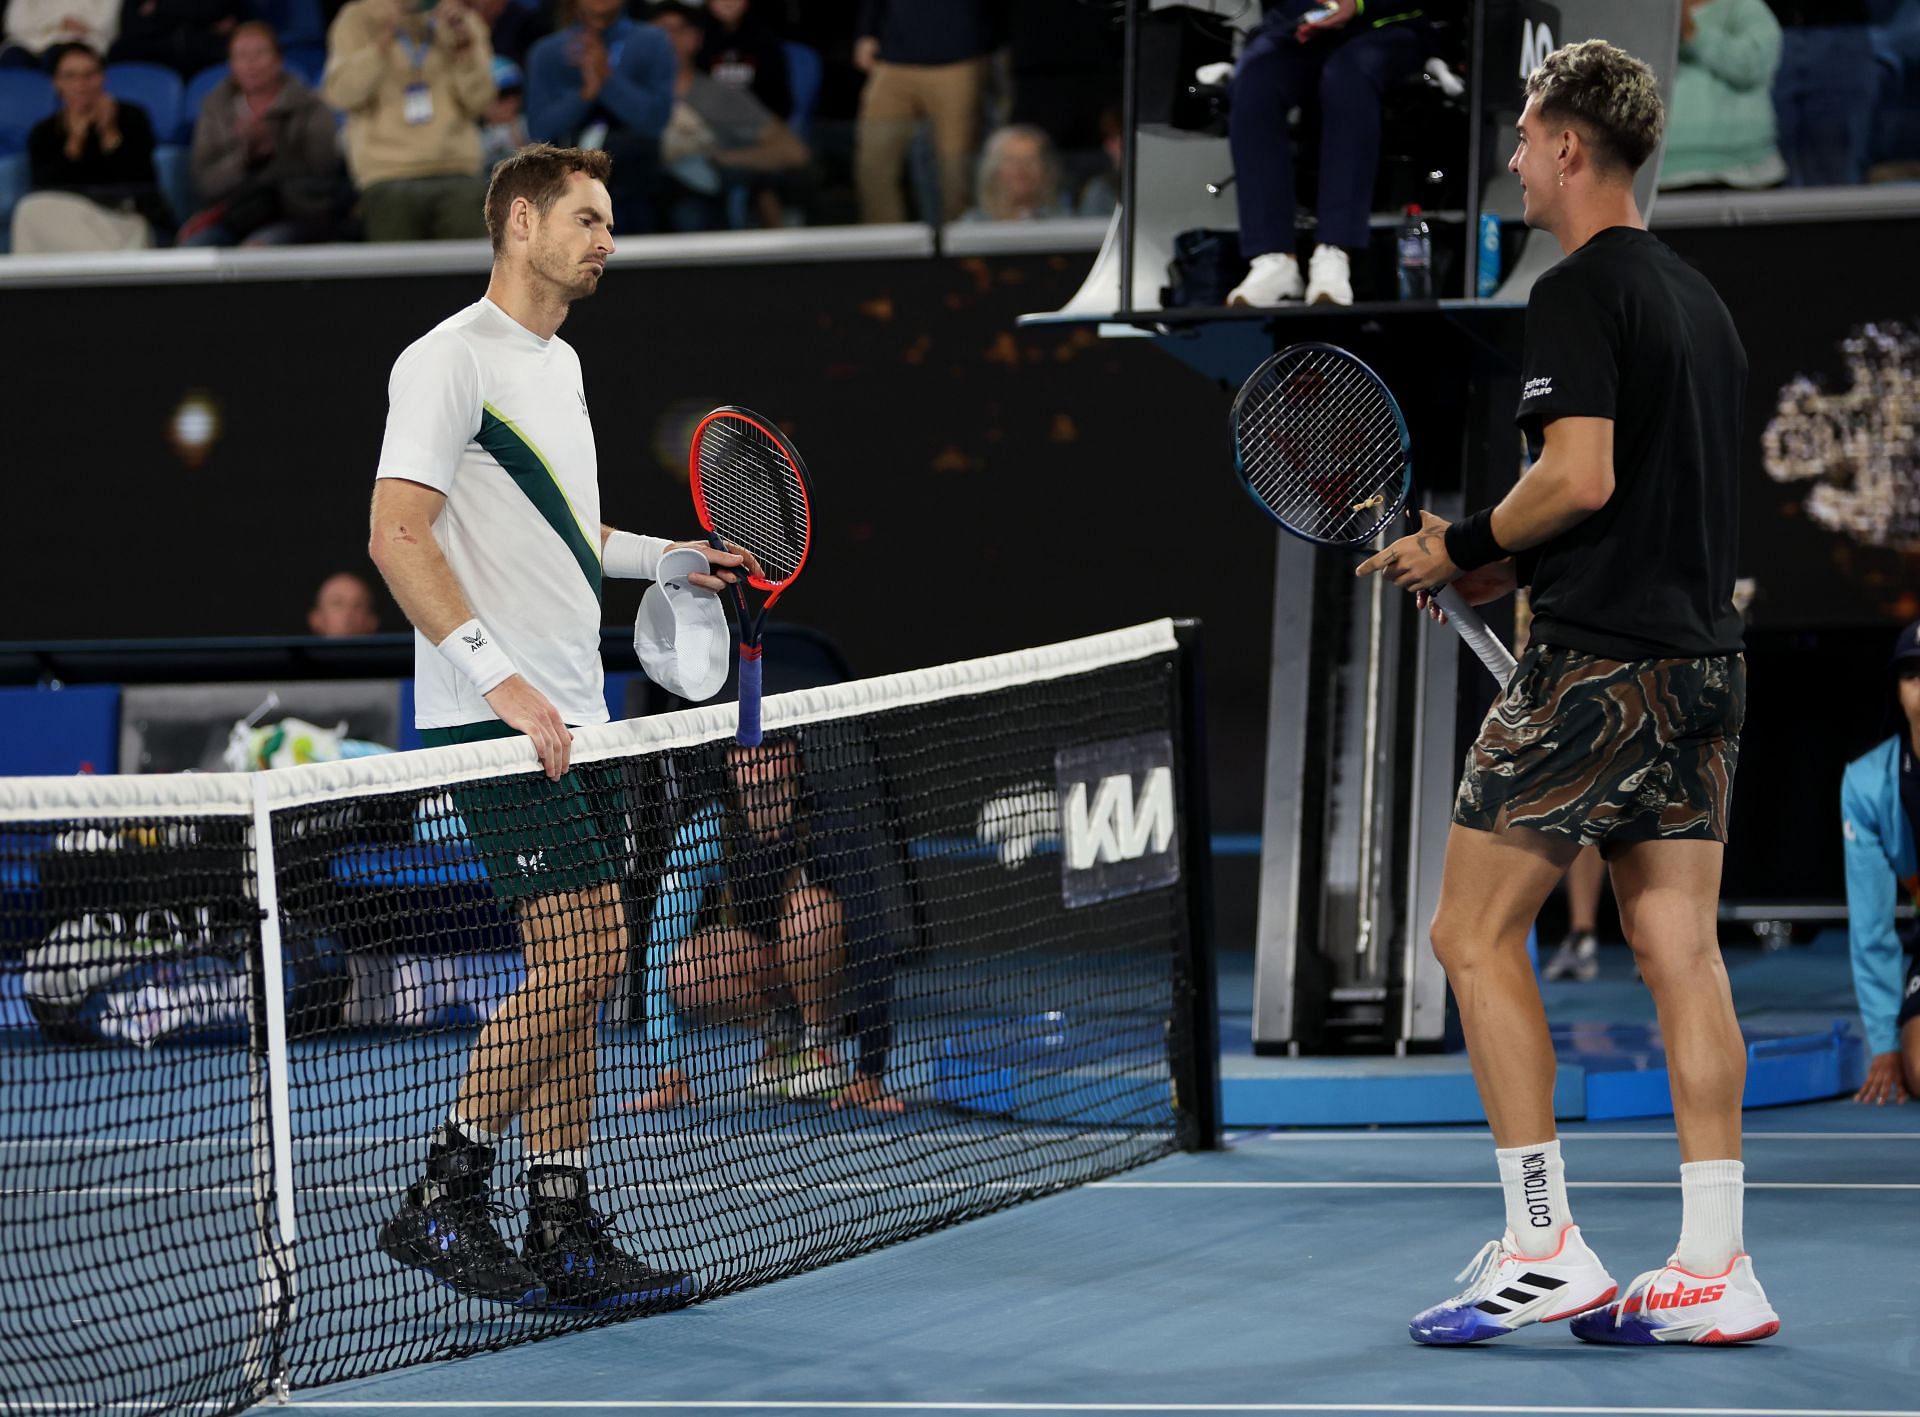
(1823, 92)
(413, 86)
(34, 30)
(343, 606)
(769, 919)
(1720, 126)
(183, 35)
(606, 81)
(720, 138)
(1880, 823)
(1019, 177)
(925, 59)
(92, 168)
(1351, 63)
(503, 128)
(741, 52)
(265, 156)
(514, 26)
(1100, 194)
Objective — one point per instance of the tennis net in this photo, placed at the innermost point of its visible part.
(311, 1074)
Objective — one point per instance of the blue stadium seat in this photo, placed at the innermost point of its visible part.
(14, 184)
(26, 96)
(803, 76)
(173, 167)
(198, 87)
(297, 22)
(309, 61)
(155, 89)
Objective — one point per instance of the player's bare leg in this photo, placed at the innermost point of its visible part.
(1669, 895)
(1493, 886)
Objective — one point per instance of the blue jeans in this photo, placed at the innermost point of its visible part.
(1823, 103)
(1348, 70)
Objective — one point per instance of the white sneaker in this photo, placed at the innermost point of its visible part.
(1329, 277)
(1507, 1290)
(1275, 277)
(1578, 958)
(1673, 1305)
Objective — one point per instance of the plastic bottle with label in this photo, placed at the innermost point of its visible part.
(1415, 257)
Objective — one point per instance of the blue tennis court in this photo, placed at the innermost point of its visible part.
(1277, 1275)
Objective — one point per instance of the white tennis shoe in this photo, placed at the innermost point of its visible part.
(1507, 1290)
(1673, 1305)
(1273, 278)
(1329, 277)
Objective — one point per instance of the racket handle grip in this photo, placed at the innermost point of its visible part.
(1482, 641)
(748, 735)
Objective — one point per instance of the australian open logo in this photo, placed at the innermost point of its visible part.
(1119, 818)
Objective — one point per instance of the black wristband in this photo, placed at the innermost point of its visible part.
(1470, 543)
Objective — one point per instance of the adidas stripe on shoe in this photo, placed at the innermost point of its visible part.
(1507, 1290)
(1673, 1305)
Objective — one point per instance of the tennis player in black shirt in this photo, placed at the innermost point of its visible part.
(1621, 725)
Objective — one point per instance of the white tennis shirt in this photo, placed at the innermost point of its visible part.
(485, 411)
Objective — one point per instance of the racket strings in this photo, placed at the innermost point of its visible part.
(1320, 445)
(753, 496)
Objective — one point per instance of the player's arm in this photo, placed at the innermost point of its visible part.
(628, 556)
(1570, 481)
(416, 571)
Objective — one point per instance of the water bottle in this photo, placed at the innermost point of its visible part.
(1416, 257)
(1487, 269)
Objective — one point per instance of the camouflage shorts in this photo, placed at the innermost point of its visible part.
(1608, 750)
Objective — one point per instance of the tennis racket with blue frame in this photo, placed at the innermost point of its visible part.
(1321, 445)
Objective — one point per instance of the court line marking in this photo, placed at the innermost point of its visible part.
(1275, 1135)
(743, 1405)
(790, 1405)
(951, 1188)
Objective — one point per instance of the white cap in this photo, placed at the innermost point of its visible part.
(681, 632)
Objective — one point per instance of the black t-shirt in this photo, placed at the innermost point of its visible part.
(1624, 329)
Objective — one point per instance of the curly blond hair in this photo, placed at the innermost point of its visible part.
(1613, 98)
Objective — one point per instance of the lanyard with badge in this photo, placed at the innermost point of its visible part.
(417, 106)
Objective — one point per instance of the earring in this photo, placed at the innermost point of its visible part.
(1563, 179)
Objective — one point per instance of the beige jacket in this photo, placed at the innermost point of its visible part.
(368, 75)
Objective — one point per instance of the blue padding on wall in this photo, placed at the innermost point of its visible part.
(57, 732)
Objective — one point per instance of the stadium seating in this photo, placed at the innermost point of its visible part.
(299, 23)
(158, 90)
(198, 87)
(26, 96)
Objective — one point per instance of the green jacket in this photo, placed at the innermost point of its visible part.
(1720, 127)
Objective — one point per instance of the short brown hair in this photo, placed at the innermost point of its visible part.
(538, 172)
(259, 27)
(1609, 95)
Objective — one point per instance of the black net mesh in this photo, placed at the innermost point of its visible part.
(133, 1108)
(707, 1015)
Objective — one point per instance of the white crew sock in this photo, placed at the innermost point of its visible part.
(1712, 1205)
(1535, 1182)
(574, 1158)
(472, 1131)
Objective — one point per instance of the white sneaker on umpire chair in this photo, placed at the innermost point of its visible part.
(1273, 279)
(1329, 277)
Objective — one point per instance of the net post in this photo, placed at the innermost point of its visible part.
(1196, 1007)
(272, 1121)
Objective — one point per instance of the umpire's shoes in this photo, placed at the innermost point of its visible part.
(454, 1240)
(571, 1253)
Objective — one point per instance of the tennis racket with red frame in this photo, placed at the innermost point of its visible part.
(752, 494)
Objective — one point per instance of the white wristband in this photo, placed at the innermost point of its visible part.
(471, 650)
(628, 557)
